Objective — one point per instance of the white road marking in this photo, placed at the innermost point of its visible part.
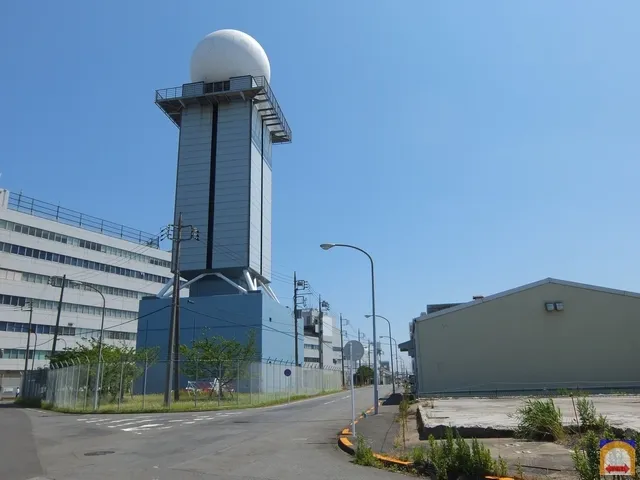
(189, 423)
(129, 423)
(141, 427)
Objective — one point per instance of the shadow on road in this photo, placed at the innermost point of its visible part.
(393, 399)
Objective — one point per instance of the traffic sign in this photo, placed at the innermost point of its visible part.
(353, 350)
(287, 372)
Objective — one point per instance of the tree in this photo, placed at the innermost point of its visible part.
(364, 374)
(216, 357)
(121, 364)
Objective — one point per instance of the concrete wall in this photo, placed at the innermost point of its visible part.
(512, 343)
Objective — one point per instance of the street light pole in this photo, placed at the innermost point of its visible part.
(393, 377)
(397, 374)
(99, 369)
(327, 246)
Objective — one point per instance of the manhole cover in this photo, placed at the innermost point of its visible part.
(99, 452)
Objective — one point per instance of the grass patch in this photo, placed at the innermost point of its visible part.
(539, 420)
(364, 454)
(155, 403)
(454, 456)
(28, 402)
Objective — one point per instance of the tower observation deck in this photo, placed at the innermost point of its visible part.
(229, 119)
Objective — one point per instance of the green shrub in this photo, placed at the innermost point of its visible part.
(363, 453)
(454, 456)
(539, 420)
(586, 457)
(589, 418)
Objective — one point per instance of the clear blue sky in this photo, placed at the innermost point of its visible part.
(470, 147)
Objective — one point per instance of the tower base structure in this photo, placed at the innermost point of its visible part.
(233, 316)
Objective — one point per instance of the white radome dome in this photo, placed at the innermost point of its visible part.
(228, 53)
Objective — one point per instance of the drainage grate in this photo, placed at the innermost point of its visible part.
(99, 452)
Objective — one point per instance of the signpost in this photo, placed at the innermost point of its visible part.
(287, 373)
(353, 351)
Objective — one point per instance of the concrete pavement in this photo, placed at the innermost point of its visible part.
(282, 442)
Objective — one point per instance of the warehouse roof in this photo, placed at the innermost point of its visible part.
(522, 288)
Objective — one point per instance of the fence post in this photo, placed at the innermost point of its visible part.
(121, 380)
(219, 382)
(237, 389)
(144, 378)
(195, 385)
(86, 389)
(79, 368)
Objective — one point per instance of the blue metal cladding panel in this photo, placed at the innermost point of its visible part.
(266, 220)
(232, 188)
(192, 183)
(230, 316)
(278, 334)
(255, 234)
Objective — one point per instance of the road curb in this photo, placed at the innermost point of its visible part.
(346, 446)
(344, 443)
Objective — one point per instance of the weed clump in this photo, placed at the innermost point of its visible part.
(364, 454)
(539, 420)
(454, 456)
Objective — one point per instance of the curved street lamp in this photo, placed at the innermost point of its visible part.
(393, 376)
(397, 374)
(327, 246)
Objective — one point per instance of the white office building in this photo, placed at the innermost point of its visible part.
(331, 339)
(41, 242)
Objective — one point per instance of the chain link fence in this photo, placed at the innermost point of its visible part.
(139, 386)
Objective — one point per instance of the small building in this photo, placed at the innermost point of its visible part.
(331, 354)
(547, 335)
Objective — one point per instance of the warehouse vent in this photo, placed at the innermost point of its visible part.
(554, 306)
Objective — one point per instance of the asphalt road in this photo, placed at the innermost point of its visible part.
(296, 441)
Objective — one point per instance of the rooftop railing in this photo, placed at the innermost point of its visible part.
(24, 204)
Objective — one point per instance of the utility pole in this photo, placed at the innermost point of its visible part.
(342, 351)
(297, 286)
(359, 361)
(26, 355)
(321, 331)
(55, 331)
(174, 233)
(295, 318)
(322, 306)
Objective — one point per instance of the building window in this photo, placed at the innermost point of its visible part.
(20, 327)
(66, 307)
(45, 279)
(311, 360)
(97, 247)
(78, 262)
(309, 346)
